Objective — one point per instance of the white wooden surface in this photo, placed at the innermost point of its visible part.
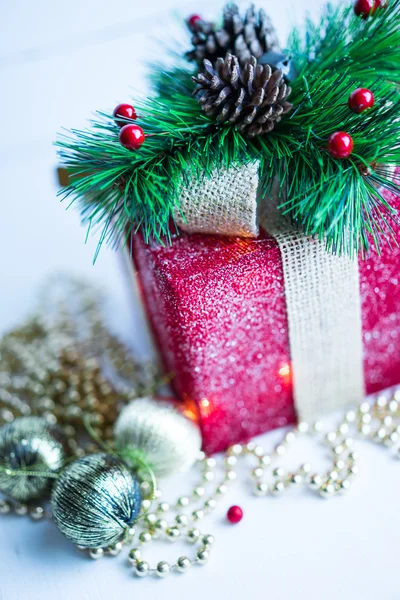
(58, 63)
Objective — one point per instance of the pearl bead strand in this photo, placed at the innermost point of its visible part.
(184, 526)
(183, 563)
(336, 480)
(377, 422)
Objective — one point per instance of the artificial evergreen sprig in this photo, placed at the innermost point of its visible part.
(339, 199)
(125, 191)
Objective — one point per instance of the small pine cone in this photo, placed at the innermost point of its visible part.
(257, 37)
(208, 42)
(253, 35)
(253, 97)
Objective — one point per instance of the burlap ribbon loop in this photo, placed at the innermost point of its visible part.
(224, 204)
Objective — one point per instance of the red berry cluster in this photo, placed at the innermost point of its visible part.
(131, 135)
(340, 143)
(366, 8)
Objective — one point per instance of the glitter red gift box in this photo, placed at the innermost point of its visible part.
(218, 312)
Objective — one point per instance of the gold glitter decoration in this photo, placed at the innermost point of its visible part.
(63, 364)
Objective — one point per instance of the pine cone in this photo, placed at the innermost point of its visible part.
(253, 35)
(254, 97)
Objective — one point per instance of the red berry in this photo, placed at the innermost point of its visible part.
(126, 111)
(361, 99)
(193, 21)
(365, 8)
(234, 514)
(131, 137)
(340, 144)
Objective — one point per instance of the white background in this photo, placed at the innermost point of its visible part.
(58, 63)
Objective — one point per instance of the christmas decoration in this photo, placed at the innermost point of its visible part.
(338, 442)
(360, 100)
(95, 501)
(226, 316)
(340, 144)
(131, 137)
(234, 514)
(366, 8)
(29, 446)
(53, 365)
(125, 112)
(255, 98)
(164, 437)
(253, 35)
(243, 117)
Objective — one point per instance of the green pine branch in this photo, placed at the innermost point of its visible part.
(122, 191)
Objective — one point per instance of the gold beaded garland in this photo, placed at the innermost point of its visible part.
(49, 369)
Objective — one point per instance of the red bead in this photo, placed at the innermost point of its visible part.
(131, 136)
(365, 8)
(361, 99)
(126, 111)
(234, 514)
(193, 20)
(340, 144)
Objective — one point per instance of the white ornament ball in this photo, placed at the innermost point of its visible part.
(169, 441)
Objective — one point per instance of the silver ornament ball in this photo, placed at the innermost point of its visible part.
(30, 444)
(95, 501)
(169, 441)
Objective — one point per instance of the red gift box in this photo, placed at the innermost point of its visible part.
(218, 312)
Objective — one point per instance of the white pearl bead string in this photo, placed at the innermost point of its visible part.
(183, 526)
(37, 512)
(378, 422)
(183, 563)
(384, 428)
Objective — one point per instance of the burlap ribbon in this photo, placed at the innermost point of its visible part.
(224, 204)
(322, 290)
